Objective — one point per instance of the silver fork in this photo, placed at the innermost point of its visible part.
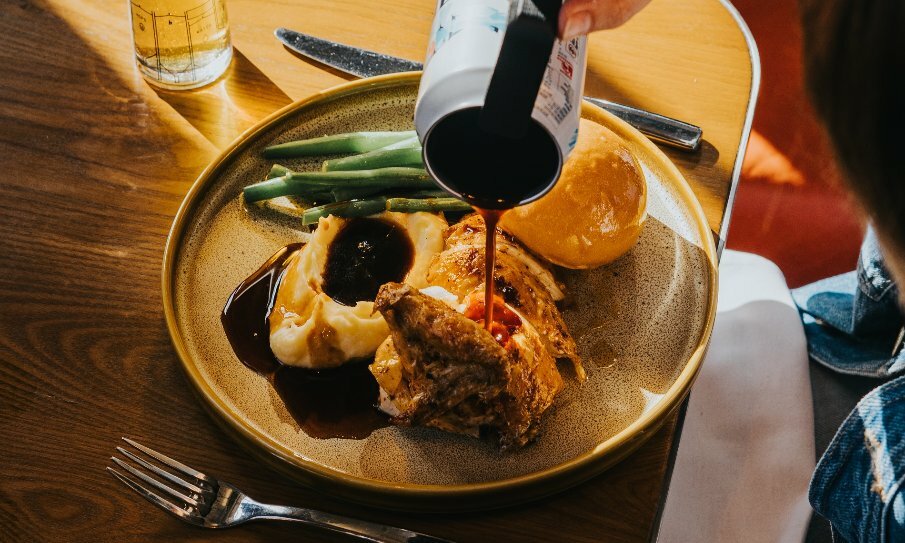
(210, 503)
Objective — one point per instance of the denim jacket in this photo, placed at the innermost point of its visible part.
(858, 482)
(853, 325)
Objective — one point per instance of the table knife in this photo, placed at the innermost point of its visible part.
(364, 63)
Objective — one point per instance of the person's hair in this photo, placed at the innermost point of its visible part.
(854, 57)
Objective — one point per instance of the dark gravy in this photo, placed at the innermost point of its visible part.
(491, 219)
(365, 254)
(340, 402)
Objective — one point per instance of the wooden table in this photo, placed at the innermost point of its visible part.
(93, 165)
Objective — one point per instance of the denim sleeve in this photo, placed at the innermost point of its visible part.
(857, 485)
(853, 321)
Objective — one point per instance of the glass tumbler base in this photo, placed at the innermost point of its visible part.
(210, 70)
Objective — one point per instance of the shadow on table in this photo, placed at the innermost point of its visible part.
(707, 155)
(223, 110)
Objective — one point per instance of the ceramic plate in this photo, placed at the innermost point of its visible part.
(642, 326)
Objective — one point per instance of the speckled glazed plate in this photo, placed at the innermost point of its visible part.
(642, 325)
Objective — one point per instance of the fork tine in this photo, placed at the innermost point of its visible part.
(155, 499)
(155, 483)
(165, 474)
(170, 462)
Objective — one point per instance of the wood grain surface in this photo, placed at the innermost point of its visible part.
(93, 166)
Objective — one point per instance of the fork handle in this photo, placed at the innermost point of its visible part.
(362, 529)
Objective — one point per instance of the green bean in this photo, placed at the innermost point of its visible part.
(407, 143)
(387, 178)
(304, 183)
(353, 142)
(340, 194)
(372, 206)
(265, 190)
(278, 186)
(345, 194)
(282, 186)
(435, 193)
(413, 205)
(354, 208)
(380, 158)
(277, 170)
(403, 153)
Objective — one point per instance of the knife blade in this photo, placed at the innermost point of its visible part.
(363, 63)
(345, 58)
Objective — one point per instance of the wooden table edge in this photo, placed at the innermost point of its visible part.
(749, 120)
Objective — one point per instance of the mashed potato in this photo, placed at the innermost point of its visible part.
(310, 329)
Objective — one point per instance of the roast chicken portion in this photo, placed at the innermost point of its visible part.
(523, 282)
(442, 369)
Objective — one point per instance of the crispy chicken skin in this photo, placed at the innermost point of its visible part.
(441, 369)
(522, 281)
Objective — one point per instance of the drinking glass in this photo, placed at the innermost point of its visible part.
(181, 44)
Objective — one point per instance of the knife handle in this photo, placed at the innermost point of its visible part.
(660, 128)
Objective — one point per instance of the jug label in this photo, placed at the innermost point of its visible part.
(560, 93)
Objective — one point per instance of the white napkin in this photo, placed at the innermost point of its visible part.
(747, 448)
